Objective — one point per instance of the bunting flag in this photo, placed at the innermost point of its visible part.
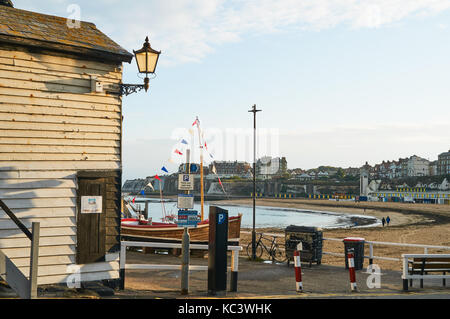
(170, 160)
(142, 192)
(178, 152)
(183, 141)
(213, 169)
(151, 186)
(164, 169)
(157, 177)
(206, 146)
(133, 199)
(220, 182)
(196, 122)
(191, 131)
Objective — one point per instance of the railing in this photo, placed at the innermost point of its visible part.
(124, 266)
(371, 244)
(25, 288)
(371, 256)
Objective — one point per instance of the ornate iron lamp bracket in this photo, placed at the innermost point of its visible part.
(127, 89)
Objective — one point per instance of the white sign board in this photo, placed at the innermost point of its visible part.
(186, 182)
(91, 204)
(185, 201)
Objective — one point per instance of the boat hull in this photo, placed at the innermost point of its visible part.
(160, 232)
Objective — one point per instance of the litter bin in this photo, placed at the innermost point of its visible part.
(357, 244)
(311, 239)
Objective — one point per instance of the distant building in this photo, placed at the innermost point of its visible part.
(352, 171)
(403, 163)
(304, 177)
(443, 165)
(230, 168)
(268, 167)
(434, 168)
(418, 166)
(364, 180)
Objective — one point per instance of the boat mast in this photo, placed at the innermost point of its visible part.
(201, 168)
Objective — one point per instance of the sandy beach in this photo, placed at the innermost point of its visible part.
(410, 223)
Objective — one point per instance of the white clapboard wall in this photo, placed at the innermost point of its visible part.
(51, 125)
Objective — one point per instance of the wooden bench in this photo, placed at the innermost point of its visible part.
(421, 266)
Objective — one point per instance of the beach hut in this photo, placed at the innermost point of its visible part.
(60, 144)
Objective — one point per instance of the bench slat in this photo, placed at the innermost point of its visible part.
(431, 266)
(432, 259)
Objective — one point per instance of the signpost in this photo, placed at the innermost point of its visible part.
(185, 201)
(187, 218)
(185, 182)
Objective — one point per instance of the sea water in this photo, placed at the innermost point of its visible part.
(266, 216)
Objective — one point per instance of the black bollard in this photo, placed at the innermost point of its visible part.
(217, 251)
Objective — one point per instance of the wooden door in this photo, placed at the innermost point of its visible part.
(91, 229)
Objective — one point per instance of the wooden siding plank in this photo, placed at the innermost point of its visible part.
(58, 111)
(57, 157)
(64, 86)
(58, 142)
(58, 68)
(43, 241)
(47, 174)
(49, 118)
(43, 251)
(58, 127)
(45, 222)
(68, 269)
(83, 268)
(40, 202)
(12, 183)
(61, 96)
(60, 135)
(45, 232)
(58, 165)
(46, 261)
(51, 58)
(58, 149)
(43, 78)
(32, 100)
(28, 73)
(32, 193)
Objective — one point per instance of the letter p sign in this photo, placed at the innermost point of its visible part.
(221, 219)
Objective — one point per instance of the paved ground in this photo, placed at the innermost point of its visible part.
(261, 280)
(267, 280)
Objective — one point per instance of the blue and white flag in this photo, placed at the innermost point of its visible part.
(184, 141)
(164, 169)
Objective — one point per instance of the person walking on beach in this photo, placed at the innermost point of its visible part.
(383, 221)
(388, 219)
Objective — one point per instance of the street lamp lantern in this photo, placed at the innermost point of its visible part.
(146, 60)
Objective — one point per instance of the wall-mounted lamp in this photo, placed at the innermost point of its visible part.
(146, 59)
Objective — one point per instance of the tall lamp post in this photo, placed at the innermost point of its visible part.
(254, 111)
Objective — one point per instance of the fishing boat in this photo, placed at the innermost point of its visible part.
(138, 229)
(141, 230)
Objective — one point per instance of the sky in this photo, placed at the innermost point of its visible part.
(339, 82)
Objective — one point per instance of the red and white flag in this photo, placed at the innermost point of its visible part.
(178, 152)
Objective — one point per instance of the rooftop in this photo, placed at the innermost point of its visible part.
(50, 32)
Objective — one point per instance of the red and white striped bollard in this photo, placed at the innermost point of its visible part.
(351, 268)
(298, 270)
